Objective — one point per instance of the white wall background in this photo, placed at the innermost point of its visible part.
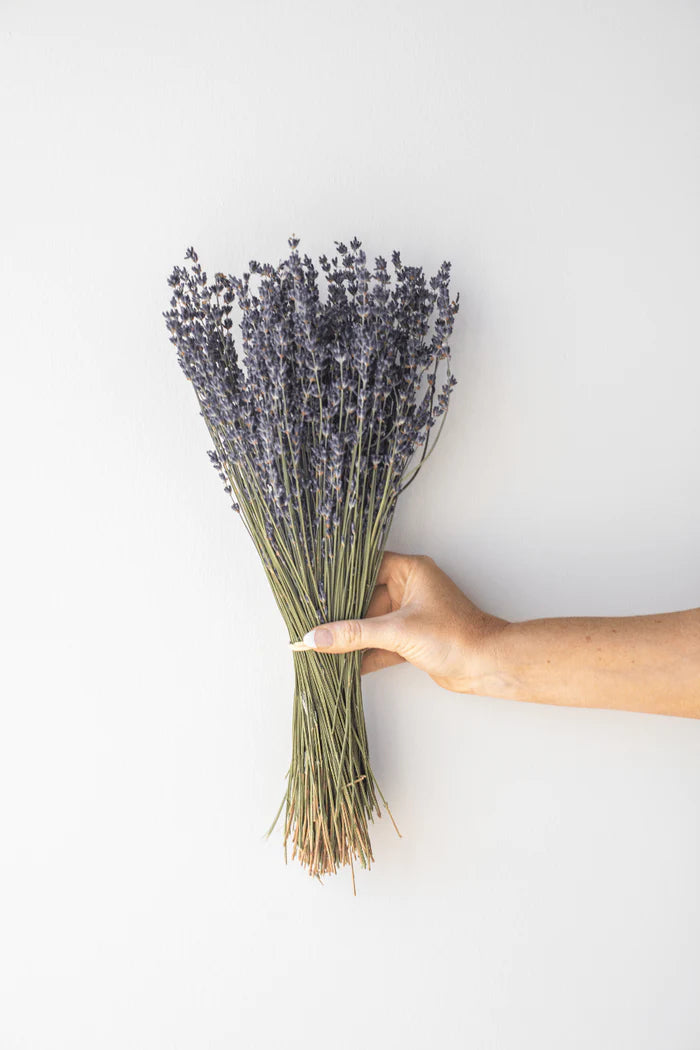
(545, 891)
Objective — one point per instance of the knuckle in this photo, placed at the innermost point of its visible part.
(402, 624)
(352, 632)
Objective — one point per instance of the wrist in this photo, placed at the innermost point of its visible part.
(494, 672)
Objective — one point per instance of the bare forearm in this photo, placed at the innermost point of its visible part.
(633, 663)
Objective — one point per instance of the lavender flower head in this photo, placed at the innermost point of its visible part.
(321, 416)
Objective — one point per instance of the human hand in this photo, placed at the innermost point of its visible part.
(416, 614)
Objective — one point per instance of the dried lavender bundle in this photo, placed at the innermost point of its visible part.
(319, 422)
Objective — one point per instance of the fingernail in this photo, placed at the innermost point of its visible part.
(318, 636)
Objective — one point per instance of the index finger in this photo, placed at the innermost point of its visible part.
(393, 568)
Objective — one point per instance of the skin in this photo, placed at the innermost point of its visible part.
(419, 615)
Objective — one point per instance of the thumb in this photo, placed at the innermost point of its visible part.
(346, 636)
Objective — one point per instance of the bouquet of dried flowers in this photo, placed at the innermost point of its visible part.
(319, 421)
